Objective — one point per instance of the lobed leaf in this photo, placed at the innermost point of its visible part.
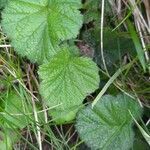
(37, 26)
(108, 125)
(66, 80)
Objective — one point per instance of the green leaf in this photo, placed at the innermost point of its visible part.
(13, 112)
(3, 3)
(66, 80)
(37, 26)
(65, 115)
(108, 125)
(5, 141)
(92, 10)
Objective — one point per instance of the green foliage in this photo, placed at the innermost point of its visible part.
(5, 141)
(109, 124)
(116, 45)
(140, 145)
(143, 132)
(92, 10)
(3, 3)
(139, 142)
(138, 46)
(13, 111)
(37, 27)
(66, 80)
(39, 31)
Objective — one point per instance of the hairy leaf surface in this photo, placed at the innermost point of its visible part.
(108, 125)
(3, 3)
(66, 80)
(37, 26)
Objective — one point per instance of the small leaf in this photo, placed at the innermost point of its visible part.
(37, 26)
(92, 12)
(13, 114)
(8, 138)
(66, 80)
(108, 125)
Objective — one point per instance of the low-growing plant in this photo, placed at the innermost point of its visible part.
(44, 33)
(38, 33)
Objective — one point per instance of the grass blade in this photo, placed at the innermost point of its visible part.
(137, 44)
(143, 132)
